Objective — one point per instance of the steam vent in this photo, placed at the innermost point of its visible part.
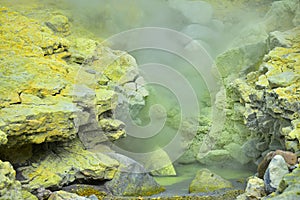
(149, 99)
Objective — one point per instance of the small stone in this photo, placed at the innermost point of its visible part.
(274, 173)
(111, 124)
(62, 195)
(206, 181)
(289, 157)
(255, 188)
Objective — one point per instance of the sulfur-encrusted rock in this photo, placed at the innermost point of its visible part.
(206, 181)
(10, 188)
(255, 189)
(63, 164)
(26, 37)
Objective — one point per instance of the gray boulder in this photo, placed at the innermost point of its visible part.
(131, 179)
(274, 173)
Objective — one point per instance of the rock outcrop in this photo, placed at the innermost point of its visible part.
(271, 99)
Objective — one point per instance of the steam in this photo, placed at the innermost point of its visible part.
(194, 18)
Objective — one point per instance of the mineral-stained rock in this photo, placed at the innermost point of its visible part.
(9, 187)
(206, 181)
(82, 49)
(26, 37)
(274, 173)
(132, 179)
(38, 124)
(64, 164)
